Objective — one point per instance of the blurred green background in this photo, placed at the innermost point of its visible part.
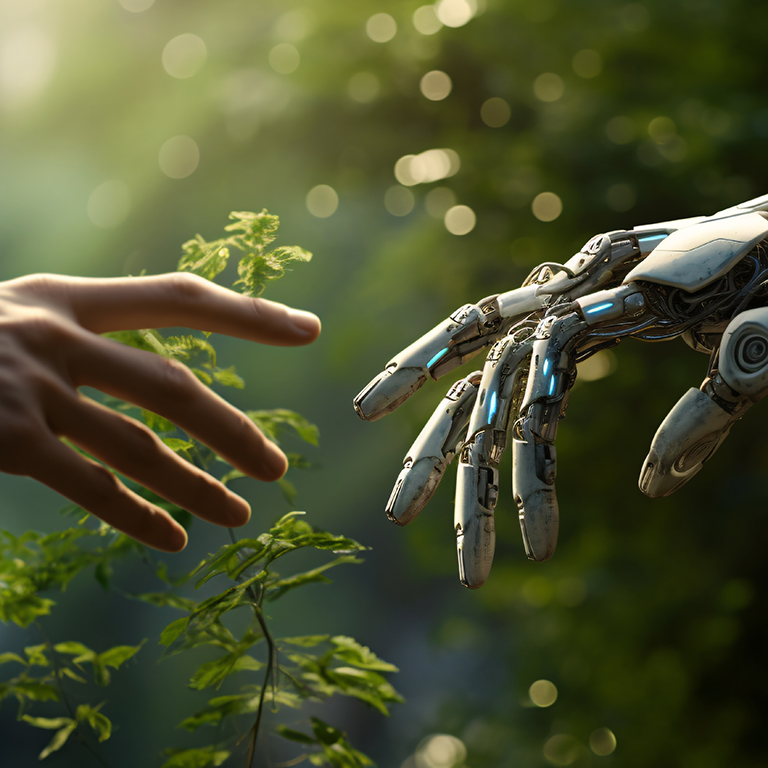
(128, 125)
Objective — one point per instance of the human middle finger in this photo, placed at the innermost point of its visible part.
(169, 388)
(136, 452)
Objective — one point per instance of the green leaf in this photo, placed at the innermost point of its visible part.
(36, 655)
(272, 422)
(297, 736)
(213, 673)
(59, 740)
(50, 723)
(177, 445)
(167, 599)
(100, 723)
(203, 258)
(6, 657)
(228, 377)
(202, 757)
(306, 641)
(173, 630)
(348, 649)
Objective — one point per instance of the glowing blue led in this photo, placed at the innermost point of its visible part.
(552, 383)
(649, 242)
(436, 357)
(599, 308)
(545, 367)
(492, 407)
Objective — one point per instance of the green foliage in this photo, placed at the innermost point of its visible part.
(287, 671)
(252, 234)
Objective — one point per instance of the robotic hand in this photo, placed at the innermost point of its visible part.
(704, 278)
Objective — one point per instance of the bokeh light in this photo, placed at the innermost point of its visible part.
(322, 201)
(600, 365)
(460, 220)
(109, 204)
(137, 6)
(425, 20)
(620, 129)
(399, 200)
(602, 742)
(27, 63)
(543, 693)
(455, 13)
(440, 751)
(428, 166)
(179, 157)
(562, 750)
(284, 58)
(364, 87)
(436, 85)
(381, 28)
(547, 206)
(184, 56)
(548, 87)
(587, 63)
(495, 112)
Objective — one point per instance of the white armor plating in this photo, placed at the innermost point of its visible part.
(703, 278)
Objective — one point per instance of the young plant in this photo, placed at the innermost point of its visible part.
(289, 671)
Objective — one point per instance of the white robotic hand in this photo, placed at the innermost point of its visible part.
(705, 279)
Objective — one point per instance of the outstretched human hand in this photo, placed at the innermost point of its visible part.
(50, 345)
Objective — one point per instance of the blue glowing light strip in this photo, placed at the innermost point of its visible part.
(648, 239)
(492, 407)
(436, 357)
(545, 367)
(599, 308)
(552, 384)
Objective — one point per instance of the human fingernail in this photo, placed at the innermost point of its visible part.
(306, 322)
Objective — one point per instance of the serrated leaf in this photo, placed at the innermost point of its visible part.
(349, 650)
(228, 377)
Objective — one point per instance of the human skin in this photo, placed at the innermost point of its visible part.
(50, 345)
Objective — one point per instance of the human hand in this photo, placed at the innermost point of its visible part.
(50, 345)
(705, 279)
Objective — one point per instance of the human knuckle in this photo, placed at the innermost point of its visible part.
(186, 287)
(104, 486)
(176, 379)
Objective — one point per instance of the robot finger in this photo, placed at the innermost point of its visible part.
(433, 450)
(456, 340)
(534, 461)
(477, 484)
(696, 427)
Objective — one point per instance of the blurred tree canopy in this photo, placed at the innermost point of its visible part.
(126, 124)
